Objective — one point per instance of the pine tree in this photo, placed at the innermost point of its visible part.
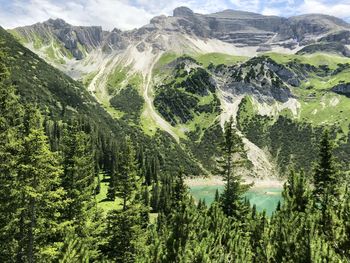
(345, 223)
(180, 189)
(326, 186)
(155, 197)
(11, 119)
(39, 193)
(124, 228)
(128, 180)
(217, 196)
(181, 223)
(233, 154)
(113, 179)
(325, 176)
(296, 193)
(74, 250)
(79, 173)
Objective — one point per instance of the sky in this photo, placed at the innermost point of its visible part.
(129, 14)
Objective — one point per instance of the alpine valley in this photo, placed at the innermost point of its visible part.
(282, 79)
(137, 146)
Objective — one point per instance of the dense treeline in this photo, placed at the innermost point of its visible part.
(49, 177)
(61, 99)
(311, 225)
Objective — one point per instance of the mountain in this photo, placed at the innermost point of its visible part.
(186, 74)
(61, 98)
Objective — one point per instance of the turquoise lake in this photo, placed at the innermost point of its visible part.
(264, 198)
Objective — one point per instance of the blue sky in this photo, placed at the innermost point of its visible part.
(129, 14)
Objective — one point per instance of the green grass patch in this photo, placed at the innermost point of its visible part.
(219, 58)
(316, 59)
(116, 79)
(50, 52)
(165, 59)
(20, 38)
(327, 109)
(102, 201)
(148, 125)
(88, 78)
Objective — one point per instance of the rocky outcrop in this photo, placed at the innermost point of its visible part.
(250, 29)
(313, 27)
(333, 47)
(242, 29)
(78, 40)
(260, 77)
(342, 89)
(183, 12)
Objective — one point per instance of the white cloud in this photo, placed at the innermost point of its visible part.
(107, 13)
(269, 11)
(334, 8)
(129, 14)
(123, 14)
(247, 5)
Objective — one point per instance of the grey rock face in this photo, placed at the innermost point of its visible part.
(306, 28)
(236, 27)
(331, 47)
(342, 89)
(261, 77)
(250, 29)
(267, 94)
(183, 12)
(76, 39)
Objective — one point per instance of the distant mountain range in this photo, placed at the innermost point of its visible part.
(242, 29)
(283, 79)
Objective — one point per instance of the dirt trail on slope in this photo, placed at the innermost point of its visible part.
(98, 83)
(150, 110)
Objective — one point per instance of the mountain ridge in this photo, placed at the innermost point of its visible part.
(186, 74)
(250, 29)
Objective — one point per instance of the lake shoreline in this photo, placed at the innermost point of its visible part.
(218, 181)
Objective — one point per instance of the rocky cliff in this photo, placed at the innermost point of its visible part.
(237, 28)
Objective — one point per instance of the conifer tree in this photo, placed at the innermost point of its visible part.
(155, 197)
(325, 175)
(296, 193)
(124, 228)
(181, 223)
(128, 179)
(11, 119)
(326, 186)
(345, 217)
(39, 192)
(233, 154)
(74, 250)
(79, 173)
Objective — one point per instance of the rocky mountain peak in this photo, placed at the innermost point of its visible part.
(233, 28)
(183, 12)
(56, 23)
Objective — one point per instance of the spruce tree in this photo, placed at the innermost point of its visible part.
(127, 174)
(325, 175)
(11, 119)
(233, 155)
(296, 193)
(124, 227)
(79, 174)
(39, 193)
(326, 186)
